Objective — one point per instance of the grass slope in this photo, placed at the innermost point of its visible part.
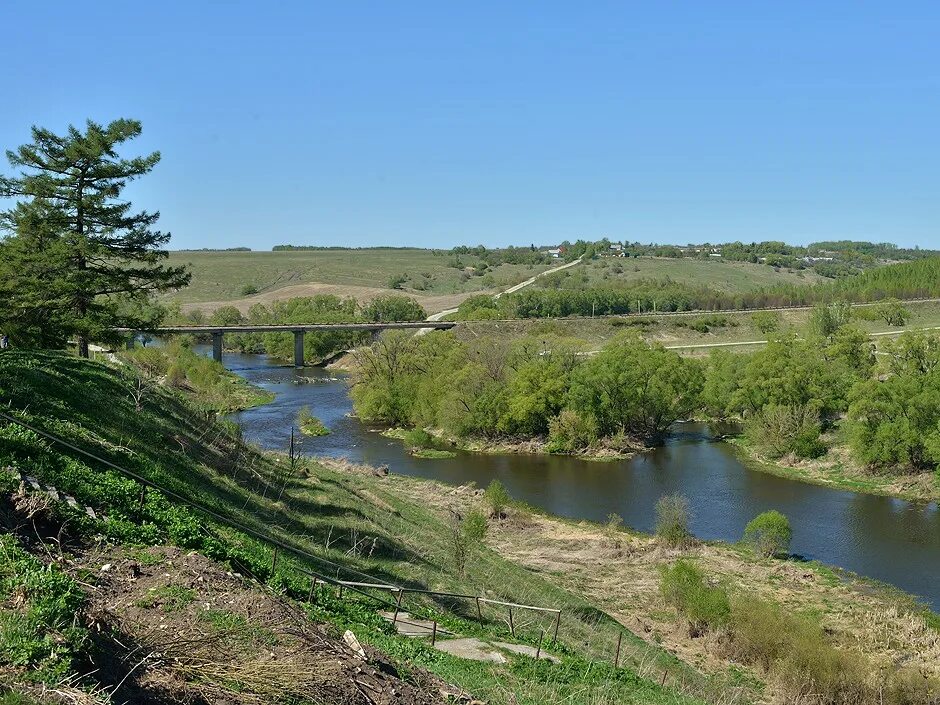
(222, 276)
(338, 516)
(729, 277)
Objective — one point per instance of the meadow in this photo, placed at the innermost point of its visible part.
(231, 275)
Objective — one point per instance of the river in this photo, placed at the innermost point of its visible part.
(891, 540)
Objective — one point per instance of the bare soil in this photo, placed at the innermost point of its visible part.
(175, 627)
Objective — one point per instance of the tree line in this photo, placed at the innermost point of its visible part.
(907, 280)
(323, 308)
(787, 394)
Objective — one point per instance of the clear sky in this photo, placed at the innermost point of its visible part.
(439, 123)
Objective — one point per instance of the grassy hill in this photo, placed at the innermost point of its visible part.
(728, 277)
(330, 521)
(224, 275)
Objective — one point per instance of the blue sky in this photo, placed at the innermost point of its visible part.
(434, 124)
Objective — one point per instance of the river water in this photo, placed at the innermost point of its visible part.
(888, 539)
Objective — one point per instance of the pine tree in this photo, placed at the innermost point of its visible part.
(76, 252)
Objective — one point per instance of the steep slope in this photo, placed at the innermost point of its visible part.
(215, 495)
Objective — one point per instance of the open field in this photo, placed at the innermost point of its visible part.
(729, 277)
(223, 276)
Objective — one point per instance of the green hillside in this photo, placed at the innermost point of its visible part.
(321, 518)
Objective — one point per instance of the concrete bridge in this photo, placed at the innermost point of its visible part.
(217, 332)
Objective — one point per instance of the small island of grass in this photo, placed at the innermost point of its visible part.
(309, 424)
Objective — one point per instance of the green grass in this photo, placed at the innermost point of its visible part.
(222, 276)
(730, 277)
(350, 519)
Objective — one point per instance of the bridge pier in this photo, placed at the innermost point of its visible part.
(217, 346)
(298, 348)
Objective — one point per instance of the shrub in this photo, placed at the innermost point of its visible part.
(672, 520)
(497, 498)
(569, 432)
(419, 438)
(778, 429)
(397, 281)
(466, 533)
(766, 321)
(249, 290)
(769, 533)
(475, 526)
(705, 607)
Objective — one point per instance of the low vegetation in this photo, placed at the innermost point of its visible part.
(205, 381)
(800, 661)
(309, 424)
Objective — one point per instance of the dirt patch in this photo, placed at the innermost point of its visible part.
(175, 627)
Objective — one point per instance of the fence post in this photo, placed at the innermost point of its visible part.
(557, 621)
(538, 650)
(274, 561)
(311, 596)
(397, 606)
(512, 628)
(434, 633)
(479, 613)
(617, 657)
(341, 591)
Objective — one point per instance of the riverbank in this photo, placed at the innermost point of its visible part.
(619, 571)
(520, 446)
(839, 470)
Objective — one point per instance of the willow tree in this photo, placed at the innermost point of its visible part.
(102, 260)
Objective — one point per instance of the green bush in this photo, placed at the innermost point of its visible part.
(419, 438)
(672, 520)
(249, 290)
(569, 432)
(778, 429)
(497, 498)
(766, 321)
(705, 607)
(769, 533)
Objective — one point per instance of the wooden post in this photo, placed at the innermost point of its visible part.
(341, 591)
(538, 649)
(662, 683)
(217, 346)
(397, 606)
(512, 627)
(557, 622)
(479, 613)
(312, 596)
(274, 561)
(434, 633)
(617, 657)
(143, 497)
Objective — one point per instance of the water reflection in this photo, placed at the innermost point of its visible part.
(884, 538)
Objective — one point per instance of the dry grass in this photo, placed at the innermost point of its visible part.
(620, 573)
